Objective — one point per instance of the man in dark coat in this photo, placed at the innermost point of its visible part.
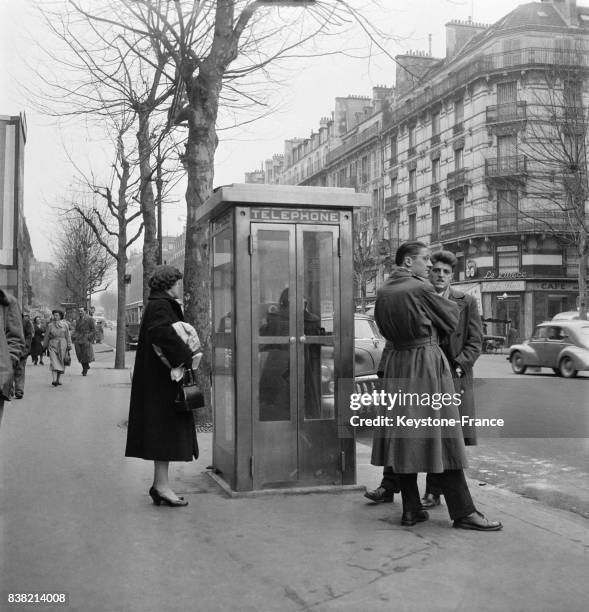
(414, 319)
(12, 343)
(19, 368)
(83, 338)
(462, 348)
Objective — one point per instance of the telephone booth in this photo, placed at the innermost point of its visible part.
(282, 317)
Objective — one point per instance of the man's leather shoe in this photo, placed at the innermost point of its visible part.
(430, 500)
(380, 495)
(478, 522)
(410, 518)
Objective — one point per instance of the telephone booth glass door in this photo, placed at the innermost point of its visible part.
(295, 276)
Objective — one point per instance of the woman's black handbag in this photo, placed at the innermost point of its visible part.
(189, 396)
(67, 360)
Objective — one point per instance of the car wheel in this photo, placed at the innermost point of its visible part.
(517, 363)
(556, 371)
(567, 368)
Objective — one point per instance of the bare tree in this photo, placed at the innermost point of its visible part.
(365, 258)
(112, 74)
(111, 219)
(550, 167)
(81, 261)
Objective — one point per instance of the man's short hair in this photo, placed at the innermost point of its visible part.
(410, 249)
(446, 257)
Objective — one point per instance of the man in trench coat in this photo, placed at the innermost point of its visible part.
(415, 319)
(83, 338)
(462, 348)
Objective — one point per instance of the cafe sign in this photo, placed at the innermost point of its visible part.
(504, 286)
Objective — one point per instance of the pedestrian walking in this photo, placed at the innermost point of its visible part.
(20, 365)
(58, 342)
(156, 431)
(414, 318)
(83, 337)
(37, 341)
(12, 343)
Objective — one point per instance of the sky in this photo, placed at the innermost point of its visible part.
(307, 94)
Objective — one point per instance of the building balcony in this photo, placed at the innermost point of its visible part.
(511, 166)
(353, 143)
(457, 179)
(516, 223)
(391, 203)
(506, 113)
(434, 188)
(434, 140)
(412, 196)
(458, 128)
(411, 151)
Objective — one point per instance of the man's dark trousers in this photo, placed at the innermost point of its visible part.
(450, 482)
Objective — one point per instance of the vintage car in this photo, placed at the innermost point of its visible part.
(561, 345)
(569, 315)
(368, 347)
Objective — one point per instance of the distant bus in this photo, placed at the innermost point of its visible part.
(133, 312)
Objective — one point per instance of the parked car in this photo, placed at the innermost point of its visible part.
(368, 347)
(560, 345)
(131, 336)
(570, 315)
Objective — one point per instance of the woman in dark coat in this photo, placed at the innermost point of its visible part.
(156, 430)
(37, 341)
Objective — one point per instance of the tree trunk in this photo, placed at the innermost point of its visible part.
(199, 160)
(121, 314)
(150, 243)
(582, 250)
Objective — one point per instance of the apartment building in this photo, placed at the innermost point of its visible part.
(467, 153)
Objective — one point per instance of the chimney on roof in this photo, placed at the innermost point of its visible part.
(567, 10)
(458, 33)
(379, 95)
(410, 68)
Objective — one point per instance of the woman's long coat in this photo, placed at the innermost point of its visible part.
(37, 341)
(411, 315)
(59, 342)
(156, 430)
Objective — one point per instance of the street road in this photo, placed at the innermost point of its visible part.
(543, 449)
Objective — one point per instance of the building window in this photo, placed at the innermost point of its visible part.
(459, 209)
(365, 169)
(458, 159)
(459, 111)
(572, 262)
(506, 100)
(412, 226)
(412, 176)
(435, 124)
(508, 259)
(435, 170)
(411, 133)
(435, 222)
(506, 152)
(393, 153)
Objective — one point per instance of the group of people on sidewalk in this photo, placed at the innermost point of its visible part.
(20, 338)
(434, 337)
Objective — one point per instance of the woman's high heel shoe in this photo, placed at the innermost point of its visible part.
(159, 499)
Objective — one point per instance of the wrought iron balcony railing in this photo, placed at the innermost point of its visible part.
(530, 222)
(506, 113)
(457, 179)
(391, 203)
(458, 128)
(511, 165)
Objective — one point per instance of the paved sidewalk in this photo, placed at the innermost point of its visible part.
(75, 517)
